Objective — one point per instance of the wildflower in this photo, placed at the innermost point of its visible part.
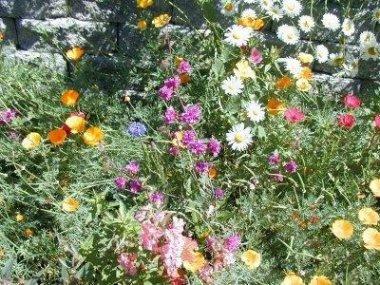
(157, 198)
(135, 186)
(184, 67)
(368, 216)
(292, 65)
(238, 35)
(137, 129)
(248, 13)
(229, 8)
(371, 239)
(232, 242)
(212, 172)
(251, 22)
(197, 147)
(57, 137)
(291, 166)
(348, 27)
(294, 115)
(170, 116)
(322, 53)
(174, 151)
(255, 111)
(367, 38)
(128, 262)
(173, 82)
(166, 93)
(69, 97)
(274, 159)
(306, 73)
(305, 58)
(202, 167)
(144, 4)
(376, 15)
(256, 56)
(161, 20)
(376, 122)
(75, 53)
(331, 22)
(120, 183)
(306, 23)
(374, 185)
(28, 233)
(31, 141)
(275, 106)
(7, 116)
(142, 25)
(93, 136)
(303, 85)
(346, 121)
(70, 204)
(351, 101)
(185, 78)
(191, 115)
(133, 167)
(370, 51)
(239, 137)
(214, 147)
(292, 8)
(320, 280)
(275, 12)
(288, 34)
(196, 263)
(20, 218)
(292, 279)
(244, 71)
(251, 258)
(232, 86)
(188, 137)
(77, 124)
(218, 193)
(284, 82)
(342, 229)
(277, 177)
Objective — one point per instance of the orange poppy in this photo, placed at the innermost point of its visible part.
(142, 25)
(57, 137)
(2, 37)
(275, 106)
(185, 78)
(75, 53)
(284, 82)
(256, 24)
(213, 172)
(69, 97)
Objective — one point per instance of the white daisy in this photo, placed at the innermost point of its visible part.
(292, 8)
(249, 13)
(370, 51)
(229, 7)
(249, 1)
(232, 86)
(376, 15)
(321, 53)
(288, 34)
(238, 35)
(367, 38)
(306, 23)
(275, 12)
(348, 27)
(266, 4)
(239, 137)
(292, 65)
(331, 22)
(255, 111)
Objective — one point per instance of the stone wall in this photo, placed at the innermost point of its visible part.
(40, 31)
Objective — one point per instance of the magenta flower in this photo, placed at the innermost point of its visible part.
(192, 114)
(135, 186)
(188, 137)
(197, 147)
(274, 158)
(291, 166)
(7, 116)
(232, 242)
(218, 193)
(277, 177)
(157, 198)
(120, 182)
(170, 116)
(351, 101)
(166, 93)
(174, 151)
(173, 83)
(346, 121)
(128, 262)
(184, 67)
(133, 167)
(294, 115)
(202, 167)
(256, 57)
(214, 147)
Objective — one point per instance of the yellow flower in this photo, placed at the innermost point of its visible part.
(70, 204)
(306, 73)
(375, 187)
(368, 216)
(161, 20)
(143, 4)
(177, 141)
(251, 258)
(243, 70)
(197, 262)
(2, 37)
(305, 58)
(250, 22)
(20, 218)
(28, 233)
(342, 229)
(69, 97)
(284, 82)
(75, 53)
(77, 124)
(31, 141)
(371, 238)
(2, 253)
(320, 280)
(142, 25)
(303, 85)
(275, 106)
(93, 136)
(292, 279)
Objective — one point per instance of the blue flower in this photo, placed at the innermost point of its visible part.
(137, 129)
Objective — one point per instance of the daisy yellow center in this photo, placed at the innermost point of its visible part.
(239, 137)
(229, 7)
(236, 36)
(372, 51)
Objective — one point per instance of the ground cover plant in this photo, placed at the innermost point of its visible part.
(213, 157)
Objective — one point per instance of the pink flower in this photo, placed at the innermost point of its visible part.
(128, 262)
(170, 116)
(351, 101)
(149, 236)
(294, 115)
(184, 67)
(376, 122)
(256, 57)
(346, 121)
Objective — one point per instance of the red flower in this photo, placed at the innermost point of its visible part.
(346, 121)
(351, 101)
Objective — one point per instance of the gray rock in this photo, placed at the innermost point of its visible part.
(33, 9)
(8, 29)
(330, 84)
(59, 34)
(130, 39)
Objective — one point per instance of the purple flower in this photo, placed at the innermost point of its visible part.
(214, 147)
(120, 182)
(135, 186)
(202, 167)
(274, 158)
(133, 167)
(166, 93)
(137, 129)
(277, 177)
(256, 56)
(157, 198)
(291, 166)
(191, 115)
(170, 116)
(219, 193)
(173, 83)
(197, 147)
(174, 151)
(189, 136)
(7, 116)
(232, 242)
(184, 67)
